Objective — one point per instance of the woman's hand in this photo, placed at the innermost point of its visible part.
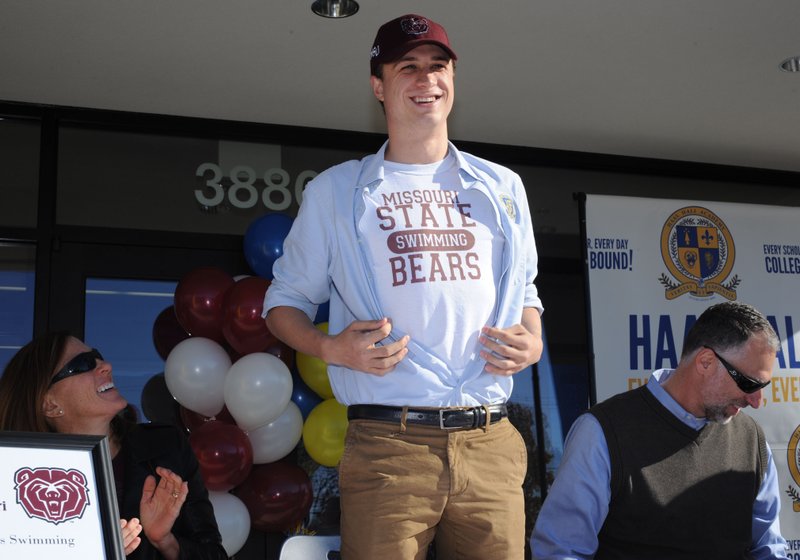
(159, 508)
(130, 534)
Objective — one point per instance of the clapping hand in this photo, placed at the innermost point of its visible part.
(159, 508)
(130, 530)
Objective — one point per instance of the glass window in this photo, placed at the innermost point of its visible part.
(554, 211)
(175, 183)
(120, 315)
(19, 171)
(17, 280)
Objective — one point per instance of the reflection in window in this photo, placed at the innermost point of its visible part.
(17, 280)
(120, 315)
(19, 171)
(180, 183)
(550, 449)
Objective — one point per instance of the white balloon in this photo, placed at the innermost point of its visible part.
(257, 389)
(233, 520)
(277, 439)
(195, 373)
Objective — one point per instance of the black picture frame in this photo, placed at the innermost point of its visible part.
(99, 455)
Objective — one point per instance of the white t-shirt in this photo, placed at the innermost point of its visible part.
(435, 250)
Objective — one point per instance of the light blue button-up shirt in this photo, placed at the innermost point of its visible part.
(325, 256)
(576, 506)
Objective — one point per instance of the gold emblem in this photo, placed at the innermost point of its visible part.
(698, 249)
(508, 204)
(792, 460)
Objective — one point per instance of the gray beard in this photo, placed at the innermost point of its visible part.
(717, 414)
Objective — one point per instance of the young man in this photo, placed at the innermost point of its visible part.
(428, 257)
(672, 470)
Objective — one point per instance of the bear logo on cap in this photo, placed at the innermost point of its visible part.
(414, 26)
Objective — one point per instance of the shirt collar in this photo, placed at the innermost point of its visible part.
(654, 385)
(373, 172)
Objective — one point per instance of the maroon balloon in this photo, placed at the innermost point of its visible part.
(192, 420)
(200, 299)
(224, 452)
(167, 332)
(243, 326)
(283, 351)
(278, 496)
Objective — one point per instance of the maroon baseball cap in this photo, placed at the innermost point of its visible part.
(397, 37)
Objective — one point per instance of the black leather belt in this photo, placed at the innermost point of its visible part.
(444, 418)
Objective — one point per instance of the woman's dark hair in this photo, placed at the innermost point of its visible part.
(26, 380)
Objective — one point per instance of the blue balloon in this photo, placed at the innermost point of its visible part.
(263, 242)
(303, 396)
(322, 313)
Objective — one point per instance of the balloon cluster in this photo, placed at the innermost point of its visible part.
(245, 398)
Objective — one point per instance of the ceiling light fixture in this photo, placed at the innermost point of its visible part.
(791, 64)
(334, 8)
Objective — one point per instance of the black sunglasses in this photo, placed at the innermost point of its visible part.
(746, 384)
(86, 361)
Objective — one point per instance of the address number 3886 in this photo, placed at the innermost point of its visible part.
(243, 192)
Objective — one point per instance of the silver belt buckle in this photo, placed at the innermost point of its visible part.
(441, 421)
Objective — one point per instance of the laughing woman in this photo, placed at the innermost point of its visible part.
(56, 383)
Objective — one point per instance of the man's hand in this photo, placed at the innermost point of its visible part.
(357, 347)
(512, 349)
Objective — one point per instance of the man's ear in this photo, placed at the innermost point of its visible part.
(705, 361)
(377, 87)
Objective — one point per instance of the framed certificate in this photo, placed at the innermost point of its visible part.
(57, 497)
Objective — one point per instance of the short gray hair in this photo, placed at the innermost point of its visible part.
(728, 325)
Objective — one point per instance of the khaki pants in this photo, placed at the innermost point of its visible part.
(399, 490)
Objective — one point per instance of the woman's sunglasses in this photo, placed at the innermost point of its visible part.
(745, 383)
(86, 361)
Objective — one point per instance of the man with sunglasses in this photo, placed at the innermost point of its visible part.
(671, 469)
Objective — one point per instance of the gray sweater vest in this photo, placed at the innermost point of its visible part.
(677, 493)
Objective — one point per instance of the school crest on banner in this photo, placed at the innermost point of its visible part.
(698, 250)
(793, 460)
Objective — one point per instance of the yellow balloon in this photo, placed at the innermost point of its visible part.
(324, 431)
(314, 372)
